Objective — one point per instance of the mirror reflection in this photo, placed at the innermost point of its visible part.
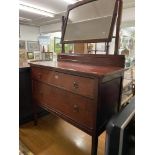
(90, 21)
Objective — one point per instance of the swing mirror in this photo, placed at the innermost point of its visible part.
(90, 21)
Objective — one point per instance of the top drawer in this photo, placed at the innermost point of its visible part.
(79, 85)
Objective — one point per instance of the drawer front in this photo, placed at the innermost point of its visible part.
(41, 74)
(79, 85)
(78, 108)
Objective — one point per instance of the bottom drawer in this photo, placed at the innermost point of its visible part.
(78, 108)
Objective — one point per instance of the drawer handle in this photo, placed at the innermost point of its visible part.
(76, 85)
(56, 76)
(76, 108)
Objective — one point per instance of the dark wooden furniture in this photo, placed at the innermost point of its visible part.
(83, 89)
(25, 97)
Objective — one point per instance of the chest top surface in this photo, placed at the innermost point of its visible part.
(85, 64)
(80, 68)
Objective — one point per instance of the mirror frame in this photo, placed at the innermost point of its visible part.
(71, 7)
(116, 20)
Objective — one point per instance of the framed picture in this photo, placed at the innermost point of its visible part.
(57, 45)
(37, 55)
(33, 46)
(47, 56)
(69, 48)
(22, 44)
(30, 55)
(91, 47)
(22, 57)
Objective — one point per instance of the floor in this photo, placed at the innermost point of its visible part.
(53, 136)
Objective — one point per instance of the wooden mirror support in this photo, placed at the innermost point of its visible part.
(114, 24)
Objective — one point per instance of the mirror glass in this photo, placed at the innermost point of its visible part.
(90, 21)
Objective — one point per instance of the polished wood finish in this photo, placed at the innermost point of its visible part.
(83, 90)
(79, 85)
(53, 136)
(75, 107)
(97, 60)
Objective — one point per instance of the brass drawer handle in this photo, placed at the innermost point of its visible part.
(76, 108)
(76, 85)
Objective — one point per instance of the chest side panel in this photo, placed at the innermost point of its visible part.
(109, 100)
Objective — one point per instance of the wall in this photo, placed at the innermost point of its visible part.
(128, 20)
(50, 28)
(128, 17)
(30, 33)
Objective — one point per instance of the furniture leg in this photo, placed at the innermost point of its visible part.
(35, 113)
(94, 145)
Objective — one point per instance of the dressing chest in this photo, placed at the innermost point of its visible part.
(83, 89)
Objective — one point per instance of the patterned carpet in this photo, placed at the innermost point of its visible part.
(23, 150)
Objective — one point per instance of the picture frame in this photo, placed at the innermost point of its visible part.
(91, 47)
(30, 55)
(58, 46)
(47, 56)
(69, 48)
(33, 46)
(22, 44)
(22, 57)
(37, 55)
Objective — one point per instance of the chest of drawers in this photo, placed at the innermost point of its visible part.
(84, 90)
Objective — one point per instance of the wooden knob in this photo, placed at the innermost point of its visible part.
(76, 85)
(56, 76)
(76, 108)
